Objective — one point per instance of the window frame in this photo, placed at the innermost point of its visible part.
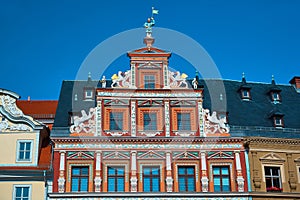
(279, 177)
(278, 99)
(21, 186)
(186, 177)
(80, 177)
(280, 119)
(247, 96)
(18, 150)
(116, 123)
(88, 96)
(220, 175)
(187, 121)
(151, 176)
(116, 176)
(153, 126)
(149, 82)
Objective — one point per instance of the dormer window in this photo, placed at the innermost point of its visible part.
(245, 93)
(278, 121)
(275, 97)
(88, 93)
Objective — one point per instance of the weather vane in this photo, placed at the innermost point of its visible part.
(150, 22)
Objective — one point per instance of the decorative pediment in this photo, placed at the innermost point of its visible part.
(80, 155)
(182, 103)
(213, 125)
(186, 155)
(271, 157)
(150, 102)
(12, 118)
(220, 155)
(108, 102)
(151, 155)
(84, 123)
(116, 155)
(150, 65)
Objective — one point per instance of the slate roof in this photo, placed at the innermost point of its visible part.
(246, 118)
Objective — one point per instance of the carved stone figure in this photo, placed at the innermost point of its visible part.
(103, 82)
(195, 83)
(121, 80)
(84, 123)
(213, 124)
(177, 80)
(148, 25)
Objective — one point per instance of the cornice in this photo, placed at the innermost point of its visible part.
(264, 140)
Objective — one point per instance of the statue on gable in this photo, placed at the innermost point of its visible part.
(177, 80)
(148, 25)
(195, 83)
(103, 82)
(213, 124)
(121, 80)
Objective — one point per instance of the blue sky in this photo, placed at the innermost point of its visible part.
(45, 42)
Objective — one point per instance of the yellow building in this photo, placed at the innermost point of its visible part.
(25, 153)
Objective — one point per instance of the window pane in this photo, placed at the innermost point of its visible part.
(18, 192)
(155, 184)
(216, 170)
(75, 171)
(225, 171)
(111, 171)
(85, 171)
(28, 146)
(146, 184)
(27, 155)
(84, 185)
(75, 184)
(191, 184)
(22, 146)
(181, 170)
(120, 184)
(155, 171)
(21, 155)
(267, 171)
(111, 184)
(120, 171)
(190, 170)
(25, 191)
(146, 171)
(181, 182)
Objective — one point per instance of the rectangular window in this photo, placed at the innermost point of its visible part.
(221, 179)
(245, 94)
(273, 179)
(88, 94)
(150, 121)
(186, 178)
(183, 121)
(22, 192)
(116, 120)
(80, 179)
(24, 150)
(278, 121)
(149, 81)
(115, 179)
(275, 96)
(151, 179)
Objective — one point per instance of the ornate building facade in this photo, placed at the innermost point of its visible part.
(145, 133)
(25, 161)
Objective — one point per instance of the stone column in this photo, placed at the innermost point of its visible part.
(291, 172)
(133, 179)
(240, 180)
(200, 119)
(98, 179)
(98, 118)
(61, 179)
(255, 167)
(133, 118)
(169, 179)
(204, 178)
(167, 118)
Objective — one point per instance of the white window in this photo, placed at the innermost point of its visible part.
(24, 151)
(88, 94)
(22, 192)
(278, 121)
(245, 94)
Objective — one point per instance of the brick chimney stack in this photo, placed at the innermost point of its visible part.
(296, 82)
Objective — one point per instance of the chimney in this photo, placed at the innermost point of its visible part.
(296, 83)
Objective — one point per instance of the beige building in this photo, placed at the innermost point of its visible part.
(25, 152)
(274, 167)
